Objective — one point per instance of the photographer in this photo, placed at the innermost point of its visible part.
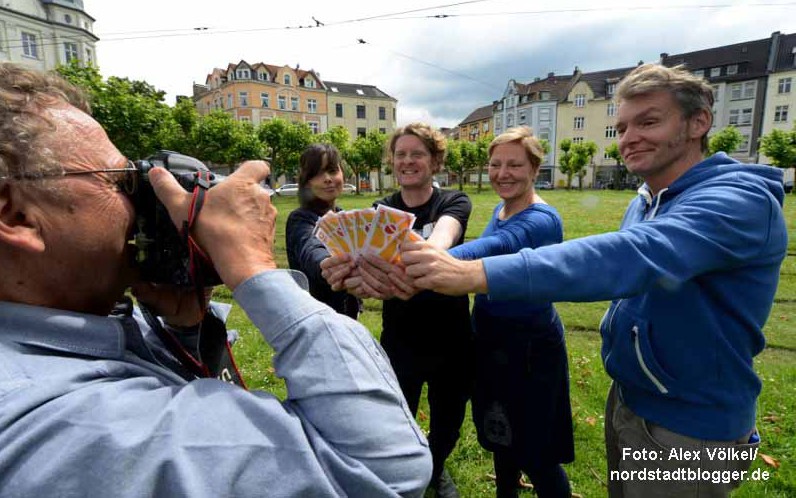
(91, 405)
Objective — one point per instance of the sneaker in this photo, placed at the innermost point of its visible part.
(442, 487)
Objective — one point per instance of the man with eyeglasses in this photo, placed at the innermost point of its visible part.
(427, 336)
(92, 405)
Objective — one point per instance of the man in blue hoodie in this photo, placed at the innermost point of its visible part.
(692, 273)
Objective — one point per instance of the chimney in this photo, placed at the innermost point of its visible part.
(550, 75)
(536, 79)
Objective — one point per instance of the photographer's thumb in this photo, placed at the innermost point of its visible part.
(171, 194)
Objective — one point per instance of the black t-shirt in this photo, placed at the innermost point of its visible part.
(430, 323)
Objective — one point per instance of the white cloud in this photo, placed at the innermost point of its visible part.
(438, 69)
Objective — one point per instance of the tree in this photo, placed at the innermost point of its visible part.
(481, 155)
(132, 113)
(565, 160)
(370, 151)
(578, 161)
(187, 119)
(220, 139)
(284, 141)
(620, 174)
(780, 147)
(545, 145)
(454, 162)
(469, 156)
(589, 149)
(341, 139)
(726, 140)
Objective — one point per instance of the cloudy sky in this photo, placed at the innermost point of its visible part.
(439, 68)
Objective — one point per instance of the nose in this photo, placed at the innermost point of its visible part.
(628, 137)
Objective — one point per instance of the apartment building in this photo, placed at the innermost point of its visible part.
(588, 113)
(477, 124)
(534, 104)
(780, 101)
(738, 74)
(360, 108)
(44, 34)
(254, 93)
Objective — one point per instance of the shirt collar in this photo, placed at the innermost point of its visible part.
(59, 330)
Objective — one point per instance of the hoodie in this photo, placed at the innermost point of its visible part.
(692, 275)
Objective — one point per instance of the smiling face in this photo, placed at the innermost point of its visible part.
(511, 172)
(413, 164)
(656, 141)
(327, 185)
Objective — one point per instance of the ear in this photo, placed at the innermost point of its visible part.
(701, 123)
(16, 229)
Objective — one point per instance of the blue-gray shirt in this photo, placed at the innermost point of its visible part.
(86, 410)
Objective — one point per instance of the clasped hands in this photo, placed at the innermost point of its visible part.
(422, 266)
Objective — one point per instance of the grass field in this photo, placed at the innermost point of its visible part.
(586, 213)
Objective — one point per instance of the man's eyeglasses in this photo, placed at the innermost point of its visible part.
(126, 178)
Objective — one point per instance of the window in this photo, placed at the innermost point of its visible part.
(485, 126)
(734, 116)
(265, 100)
(544, 114)
(611, 109)
(522, 117)
(580, 122)
(783, 85)
(544, 134)
(89, 56)
(67, 19)
(242, 74)
(732, 69)
(361, 132)
(544, 95)
(338, 110)
(699, 73)
(243, 98)
(746, 117)
(610, 132)
(610, 89)
(607, 155)
(580, 100)
(245, 119)
(383, 131)
(781, 114)
(749, 88)
(230, 104)
(263, 76)
(29, 45)
(360, 92)
(735, 91)
(360, 112)
(286, 79)
(70, 51)
(510, 120)
(715, 71)
(334, 89)
(294, 103)
(313, 127)
(577, 140)
(312, 105)
(281, 102)
(715, 92)
(382, 113)
(309, 83)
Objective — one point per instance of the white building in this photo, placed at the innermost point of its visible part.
(46, 33)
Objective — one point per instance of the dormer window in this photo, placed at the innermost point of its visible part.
(360, 92)
(334, 89)
(309, 83)
(286, 79)
(263, 76)
(242, 74)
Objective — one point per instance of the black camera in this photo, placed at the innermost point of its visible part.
(163, 254)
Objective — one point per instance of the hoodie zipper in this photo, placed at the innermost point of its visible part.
(643, 364)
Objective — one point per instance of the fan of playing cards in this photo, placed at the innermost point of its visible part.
(378, 231)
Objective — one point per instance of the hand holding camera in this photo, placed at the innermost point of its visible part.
(236, 224)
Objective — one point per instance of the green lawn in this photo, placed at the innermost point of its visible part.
(585, 213)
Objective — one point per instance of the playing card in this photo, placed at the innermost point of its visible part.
(330, 222)
(387, 232)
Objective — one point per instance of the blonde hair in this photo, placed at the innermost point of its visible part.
(522, 135)
(432, 139)
(692, 93)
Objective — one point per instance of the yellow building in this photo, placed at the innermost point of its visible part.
(588, 113)
(360, 108)
(477, 124)
(254, 93)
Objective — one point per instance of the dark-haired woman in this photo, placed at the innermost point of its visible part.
(320, 184)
